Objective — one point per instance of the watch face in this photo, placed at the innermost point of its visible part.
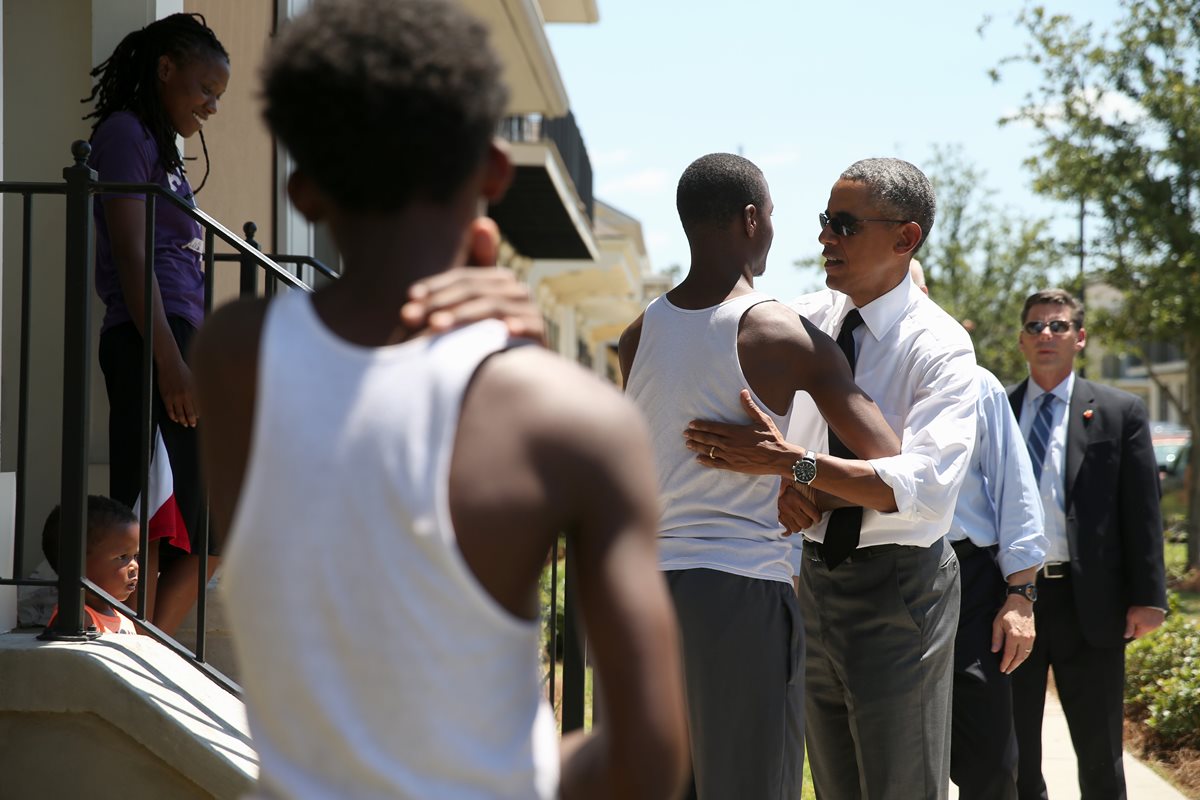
(804, 471)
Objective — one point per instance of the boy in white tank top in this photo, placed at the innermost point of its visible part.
(437, 470)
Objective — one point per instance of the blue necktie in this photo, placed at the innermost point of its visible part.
(1039, 435)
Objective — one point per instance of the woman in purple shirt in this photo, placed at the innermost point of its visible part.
(161, 82)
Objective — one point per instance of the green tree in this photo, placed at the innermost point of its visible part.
(982, 262)
(1117, 113)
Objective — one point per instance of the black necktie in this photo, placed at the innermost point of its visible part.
(841, 534)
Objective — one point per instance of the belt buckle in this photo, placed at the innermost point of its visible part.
(812, 549)
(1055, 569)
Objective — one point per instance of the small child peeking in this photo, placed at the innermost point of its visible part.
(111, 561)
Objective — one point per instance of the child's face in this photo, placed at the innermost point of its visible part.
(112, 562)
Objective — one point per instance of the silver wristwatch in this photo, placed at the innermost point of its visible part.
(805, 470)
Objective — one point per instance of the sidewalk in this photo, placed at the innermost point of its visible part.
(1058, 764)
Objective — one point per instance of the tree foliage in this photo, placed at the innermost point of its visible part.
(981, 262)
(1118, 118)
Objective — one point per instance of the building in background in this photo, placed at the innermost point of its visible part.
(1156, 377)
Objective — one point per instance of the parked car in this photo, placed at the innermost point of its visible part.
(1172, 449)
(1169, 439)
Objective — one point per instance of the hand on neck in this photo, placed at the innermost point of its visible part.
(383, 256)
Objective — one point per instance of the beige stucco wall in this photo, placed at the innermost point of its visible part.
(240, 149)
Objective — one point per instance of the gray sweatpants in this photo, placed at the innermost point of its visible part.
(743, 657)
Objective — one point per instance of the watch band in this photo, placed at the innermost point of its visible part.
(1027, 590)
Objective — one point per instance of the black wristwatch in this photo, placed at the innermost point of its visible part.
(1026, 590)
(805, 470)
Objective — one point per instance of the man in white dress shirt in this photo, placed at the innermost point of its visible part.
(879, 590)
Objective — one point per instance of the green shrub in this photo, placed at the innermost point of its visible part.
(1162, 680)
(1175, 560)
(1174, 711)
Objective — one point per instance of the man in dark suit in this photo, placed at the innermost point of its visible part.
(1103, 580)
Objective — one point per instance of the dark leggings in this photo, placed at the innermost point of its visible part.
(121, 362)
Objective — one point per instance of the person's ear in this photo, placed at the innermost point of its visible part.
(1080, 340)
(750, 220)
(498, 171)
(165, 67)
(907, 238)
(306, 197)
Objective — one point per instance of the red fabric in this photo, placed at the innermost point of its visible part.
(166, 522)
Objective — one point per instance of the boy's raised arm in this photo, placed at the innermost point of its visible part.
(604, 474)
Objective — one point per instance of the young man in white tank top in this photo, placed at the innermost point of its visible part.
(391, 498)
(722, 546)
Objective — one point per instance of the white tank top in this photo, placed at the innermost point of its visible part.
(686, 368)
(373, 662)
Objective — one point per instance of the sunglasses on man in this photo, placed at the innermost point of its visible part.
(846, 225)
(1056, 326)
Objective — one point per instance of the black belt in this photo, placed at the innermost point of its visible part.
(1055, 569)
(964, 548)
(813, 548)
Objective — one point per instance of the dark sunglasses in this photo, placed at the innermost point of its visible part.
(846, 225)
(1057, 326)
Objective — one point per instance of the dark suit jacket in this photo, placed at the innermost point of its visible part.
(1114, 525)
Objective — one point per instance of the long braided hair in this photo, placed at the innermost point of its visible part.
(128, 79)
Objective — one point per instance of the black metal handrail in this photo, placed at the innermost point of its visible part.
(79, 187)
(302, 260)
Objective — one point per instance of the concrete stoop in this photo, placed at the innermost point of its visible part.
(120, 716)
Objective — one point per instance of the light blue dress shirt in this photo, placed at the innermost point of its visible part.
(999, 502)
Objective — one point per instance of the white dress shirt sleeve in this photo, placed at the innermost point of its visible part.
(937, 439)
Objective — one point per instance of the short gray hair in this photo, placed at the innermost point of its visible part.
(900, 188)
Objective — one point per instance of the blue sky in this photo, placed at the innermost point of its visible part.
(804, 90)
